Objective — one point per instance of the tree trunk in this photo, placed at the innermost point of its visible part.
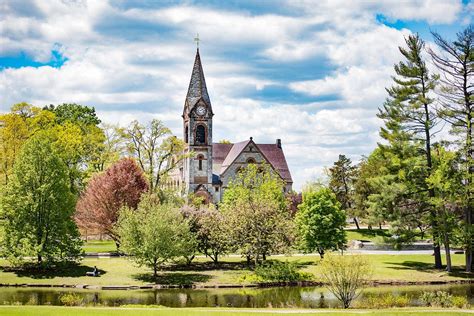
(448, 253)
(356, 222)
(380, 226)
(155, 269)
(40, 259)
(321, 253)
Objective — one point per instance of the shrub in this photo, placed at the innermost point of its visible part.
(277, 271)
(384, 301)
(438, 299)
(70, 299)
(460, 302)
(345, 276)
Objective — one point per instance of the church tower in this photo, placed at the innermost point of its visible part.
(197, 131)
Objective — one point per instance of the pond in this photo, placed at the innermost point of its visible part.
(298, 297)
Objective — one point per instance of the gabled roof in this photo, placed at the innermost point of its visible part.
(197, 89)
(276, 157)
(226, 154)
(235, 151)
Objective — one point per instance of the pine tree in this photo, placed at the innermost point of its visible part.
(342, 176)
(456, 62)
(410, 119)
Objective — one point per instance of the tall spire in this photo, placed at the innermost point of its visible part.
(197, 86)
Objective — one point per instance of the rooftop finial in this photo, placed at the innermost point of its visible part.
(196, 39)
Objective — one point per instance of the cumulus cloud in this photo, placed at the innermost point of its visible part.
(311, 73)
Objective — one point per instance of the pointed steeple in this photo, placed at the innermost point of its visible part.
(197, 86)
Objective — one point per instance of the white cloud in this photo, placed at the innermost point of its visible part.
(135, 64)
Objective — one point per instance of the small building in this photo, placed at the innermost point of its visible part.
(208, 172)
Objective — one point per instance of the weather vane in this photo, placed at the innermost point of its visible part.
(196, 39)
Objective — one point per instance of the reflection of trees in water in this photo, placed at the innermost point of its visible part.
(304, 297)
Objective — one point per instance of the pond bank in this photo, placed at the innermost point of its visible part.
(229, 286)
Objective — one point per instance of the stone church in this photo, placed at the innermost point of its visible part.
(208, 172)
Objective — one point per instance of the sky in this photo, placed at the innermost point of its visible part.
(312, 73)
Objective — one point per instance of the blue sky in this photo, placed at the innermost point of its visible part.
(312, 73)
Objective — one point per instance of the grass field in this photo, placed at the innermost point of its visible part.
(99, 246)
(87, 311)
(121, 271)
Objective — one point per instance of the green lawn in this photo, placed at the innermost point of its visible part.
(374, 235)
(87, 311)
(99, 246)
(121, 271)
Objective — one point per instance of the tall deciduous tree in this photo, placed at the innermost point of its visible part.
(257, 214)
(154, 233)
(342, 176)
(156, 150)
(456, 63)
(410, 108)
(320, 222)
(122, 184)
(38, 207)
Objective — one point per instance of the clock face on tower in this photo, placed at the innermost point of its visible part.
(201, 110)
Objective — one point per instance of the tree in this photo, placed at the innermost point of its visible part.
(75, 113)
(342, 176)
(156, 150)
(446, 180)
(38, 207)
(13, 134)
(345, 276)
(210, 229)
(410, 110)
(256, 211)
(154, 233)
(320, 222)
(122, 184)
(456, 63)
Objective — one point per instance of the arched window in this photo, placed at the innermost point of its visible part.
(200, 134)
(200, 159)
(251, 160)
(186, 134)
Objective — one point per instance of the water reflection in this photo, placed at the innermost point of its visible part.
(288, 297)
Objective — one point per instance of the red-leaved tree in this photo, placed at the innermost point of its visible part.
(98, 207)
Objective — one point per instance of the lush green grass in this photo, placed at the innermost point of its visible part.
(374, 235)
(121, 271)
(99, 246)
(87, 311)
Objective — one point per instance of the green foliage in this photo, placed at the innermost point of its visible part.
(71, 299)
(256, 213)
(156, 150)
(38, 206)
(342, 176)
(278, 271)
(211, 230)
(437, 299)
(460, 302)
(345, 276)
(320, 222)
(383, 301)
(154, 233)
(74, 113)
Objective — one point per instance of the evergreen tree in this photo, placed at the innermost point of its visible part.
(410, 119)
(342, 176)
(38, 206)
(456, 63)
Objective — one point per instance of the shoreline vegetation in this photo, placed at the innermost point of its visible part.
(120, 273)
(163, 311)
